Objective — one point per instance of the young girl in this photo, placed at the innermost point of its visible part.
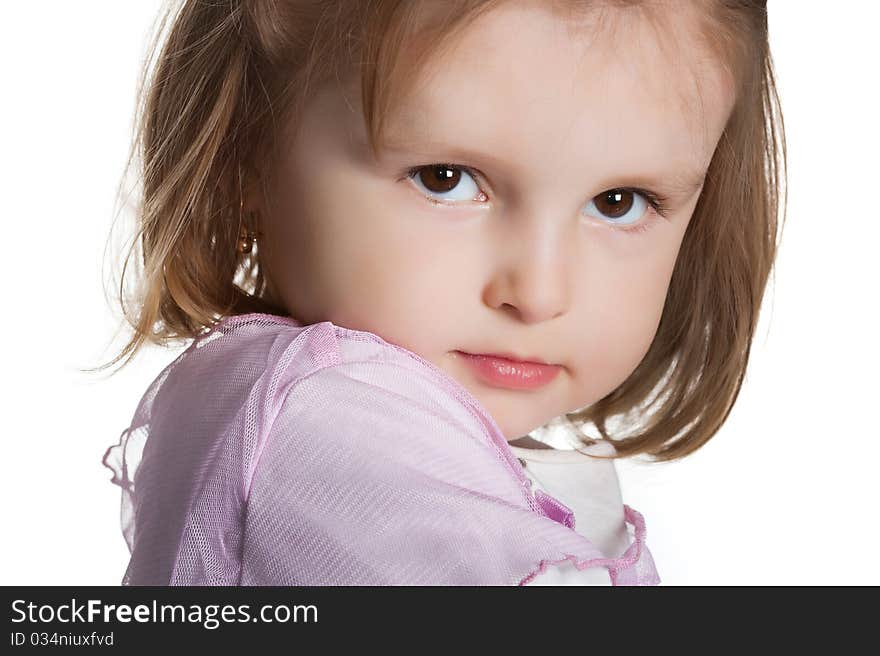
(411, 239)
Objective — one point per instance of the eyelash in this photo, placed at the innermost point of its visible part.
(657, 202)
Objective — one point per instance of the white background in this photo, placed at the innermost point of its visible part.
(786, 493)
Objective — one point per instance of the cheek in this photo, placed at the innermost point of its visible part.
(394, 288)
(621, 337)
(399, 283)
(368, 259)
(622, 312)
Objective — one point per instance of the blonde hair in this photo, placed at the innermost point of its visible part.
(232, 74)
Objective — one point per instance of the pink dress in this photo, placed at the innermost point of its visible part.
(273, 453)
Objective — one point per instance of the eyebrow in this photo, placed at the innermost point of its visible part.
(674, 184)
(684, 185)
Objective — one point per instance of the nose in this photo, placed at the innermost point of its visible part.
(531, 277)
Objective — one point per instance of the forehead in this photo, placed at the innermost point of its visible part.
(538, 82)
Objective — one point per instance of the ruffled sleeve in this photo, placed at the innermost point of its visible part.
(315, 455)
(589, 488)
(123, 459)
(363, 481)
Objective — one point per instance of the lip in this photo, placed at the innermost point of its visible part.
(505, 371)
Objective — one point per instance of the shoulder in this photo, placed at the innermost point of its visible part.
(325, 354)
(325, 388)
(375, 389)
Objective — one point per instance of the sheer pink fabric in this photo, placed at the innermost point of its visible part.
(272, 453)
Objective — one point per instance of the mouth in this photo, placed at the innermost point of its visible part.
(510, 372)
(532, 359)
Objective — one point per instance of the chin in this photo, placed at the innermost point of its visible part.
(512, 433)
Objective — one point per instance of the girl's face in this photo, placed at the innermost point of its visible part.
(534, 249)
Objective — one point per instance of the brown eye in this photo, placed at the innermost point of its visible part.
(620, 206)
(445, 183)
(614, 203)
(440, 178)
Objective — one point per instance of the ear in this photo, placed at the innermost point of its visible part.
(248, 191)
